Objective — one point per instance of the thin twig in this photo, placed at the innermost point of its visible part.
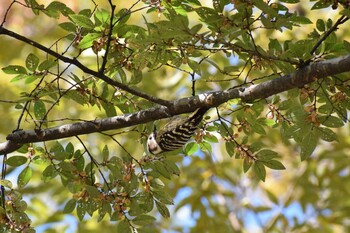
(341, 20)
(94, 162)
(84, 68)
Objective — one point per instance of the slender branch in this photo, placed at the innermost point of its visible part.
(85, 69)
(93, 160)
(6, 13)
(341, 20)
(109, 38)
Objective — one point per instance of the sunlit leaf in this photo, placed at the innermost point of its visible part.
(163, 197)
(331, 121)
(163, 210)
(32, 62)
(308, 145)
(39, 109)
(16, 161)
(70, 206)
(49, 173)
(82, 21)
(191, 148)
(327, 134)
(88, 40)
(160, 167)
(259, 170)
(24, 176)
(14, 69)
(143, 220)
(274, 164)
(102, 16)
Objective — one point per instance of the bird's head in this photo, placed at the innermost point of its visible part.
(152, 144)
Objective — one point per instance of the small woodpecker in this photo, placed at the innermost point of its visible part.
(175, 133)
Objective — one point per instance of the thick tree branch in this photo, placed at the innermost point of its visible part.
(75, 62)
(298, 78)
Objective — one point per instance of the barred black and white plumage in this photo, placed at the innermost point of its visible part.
(175, 133)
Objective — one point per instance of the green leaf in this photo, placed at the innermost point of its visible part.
(345, 12)
(146, 201)
(47, 64)
(136, 77)
(191, 148)
(81, 210)
(19, 77)
(327, 134)
(172, 167)
(39, 110)
(326, 109)
(16, 161)
(211, 138)
(92, 190)
(68, 26)
(308, 145)
(49, 173)
(6, 183)
(163, 197)
(320, 25)
(194, 66)
(88, 40)
(300, 19)
(122, 16)
(321, 4)
(230, 148)
(85, 12)
(258, 128)
(160, 167)
(69, 207)
(105, 153)
(265, 8)
(144, 220)
(163, 210)
(124, 227)
(246, 165)
(77, 97)
(109, 109)
(256, 146)
(206, 146)
(30, 78)
(346, 45)
(106, 208)
(57, 147)
(70, 148)
(82, 21)
(24, 177)
(259, 170)
(32, 62)
(331, 121)
(101, 17)
(57, 6)
(36, 8)
(266, 155)
(274, 164)
(14, 69)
